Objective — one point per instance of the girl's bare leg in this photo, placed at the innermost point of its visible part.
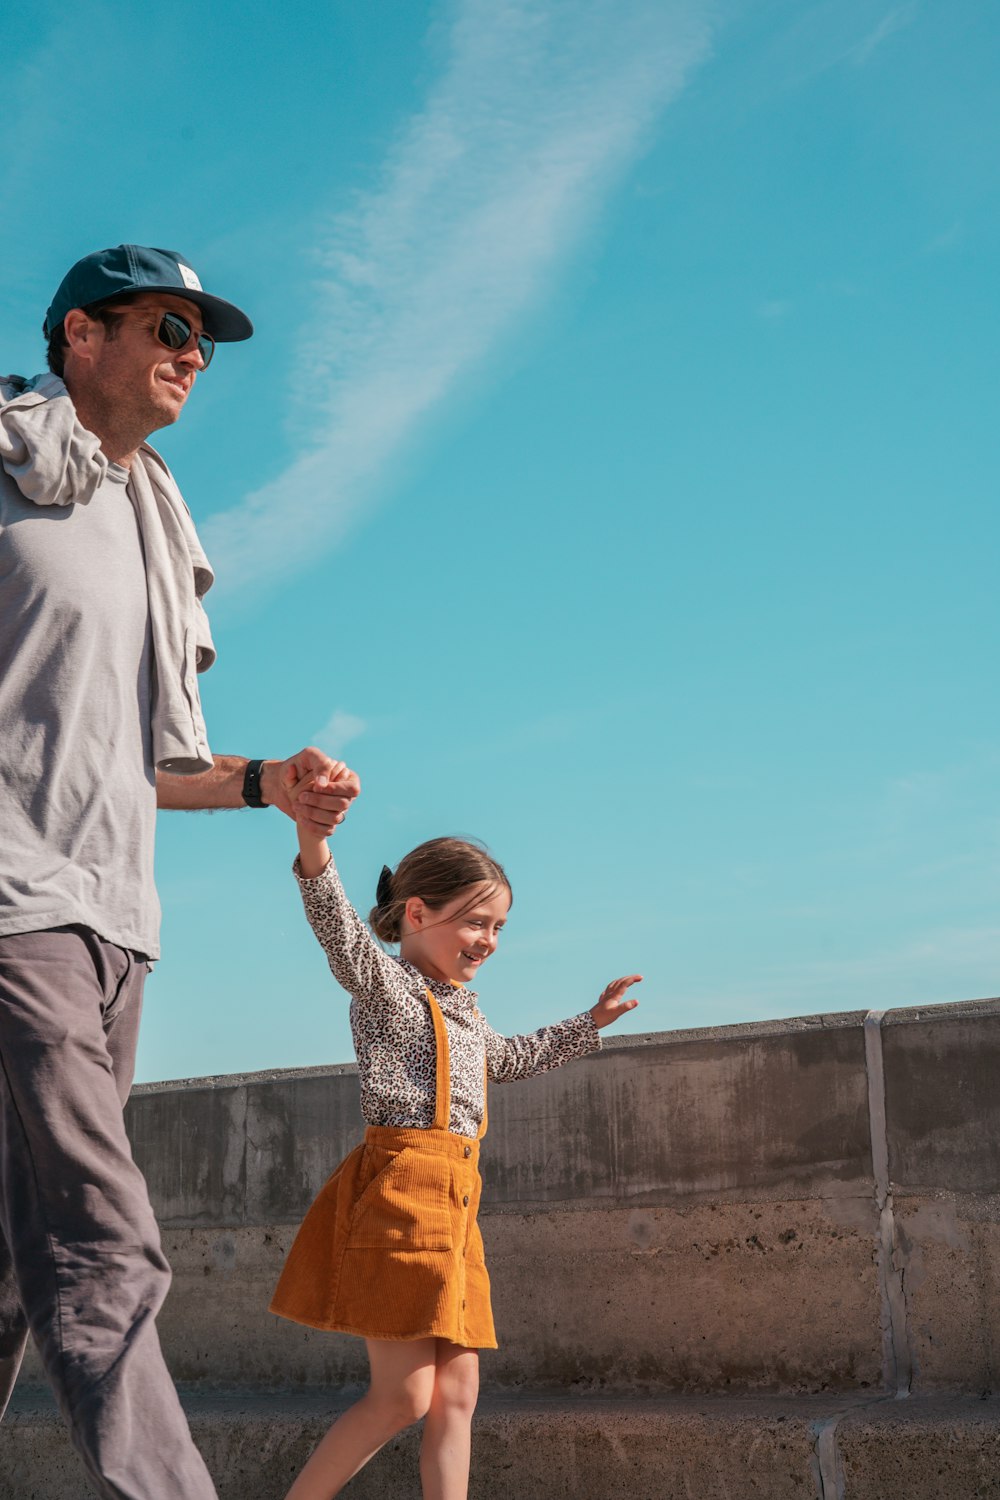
(447, 1442)
(400, 1393)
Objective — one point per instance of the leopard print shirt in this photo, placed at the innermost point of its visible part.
(394, 1034)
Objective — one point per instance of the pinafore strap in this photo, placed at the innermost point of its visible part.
(442, 1110)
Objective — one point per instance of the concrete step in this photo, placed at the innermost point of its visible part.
(580, 1448)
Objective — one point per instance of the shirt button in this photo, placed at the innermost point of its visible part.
(465, 1201)
(468, 1151)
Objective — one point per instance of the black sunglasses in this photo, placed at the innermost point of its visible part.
(176, 332)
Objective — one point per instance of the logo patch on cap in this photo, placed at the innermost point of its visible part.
(188, 277)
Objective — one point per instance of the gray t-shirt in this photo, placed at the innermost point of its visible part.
(77, 785)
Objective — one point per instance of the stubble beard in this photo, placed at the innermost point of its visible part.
(127, 415)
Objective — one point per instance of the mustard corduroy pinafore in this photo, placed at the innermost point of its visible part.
(391, 1249)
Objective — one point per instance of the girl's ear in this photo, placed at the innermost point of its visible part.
(414, 912)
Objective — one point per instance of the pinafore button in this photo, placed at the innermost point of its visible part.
(468, 1151)
(465, 1201)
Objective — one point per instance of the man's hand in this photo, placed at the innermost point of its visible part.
(330, 789)
(613, 1003)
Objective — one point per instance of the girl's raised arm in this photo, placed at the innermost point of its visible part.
(357, 962)
(314, 851)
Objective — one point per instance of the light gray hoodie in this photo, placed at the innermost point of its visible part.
(54, 460)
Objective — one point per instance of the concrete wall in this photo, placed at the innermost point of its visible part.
(804, 1206)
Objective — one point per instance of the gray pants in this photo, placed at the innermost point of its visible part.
(80, 1260)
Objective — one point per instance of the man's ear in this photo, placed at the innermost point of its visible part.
(80, 332)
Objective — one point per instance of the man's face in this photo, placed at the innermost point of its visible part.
(146, 382)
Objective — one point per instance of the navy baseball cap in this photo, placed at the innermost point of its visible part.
(108, 274)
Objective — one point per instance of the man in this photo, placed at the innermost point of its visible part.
(101, 634)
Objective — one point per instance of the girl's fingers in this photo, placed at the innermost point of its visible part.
(619, 986)
(308, 791)
(345, 786)
(614, 1000)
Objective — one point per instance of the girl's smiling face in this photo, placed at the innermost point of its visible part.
(453, 941)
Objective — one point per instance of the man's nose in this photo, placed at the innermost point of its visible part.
(192, 357)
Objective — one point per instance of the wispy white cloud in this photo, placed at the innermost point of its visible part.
(774, 309)
(822, 35)
(536, 114)
(339, 730)
(893, 21)
(948, 239)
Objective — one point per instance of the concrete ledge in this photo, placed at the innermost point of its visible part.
(694, 1116)
(530, 1448)
(777, 1298)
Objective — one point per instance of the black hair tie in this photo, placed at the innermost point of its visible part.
(383, 891)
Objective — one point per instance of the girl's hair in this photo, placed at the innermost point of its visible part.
(436, 872)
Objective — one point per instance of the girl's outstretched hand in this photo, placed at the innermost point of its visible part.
(613, 1002)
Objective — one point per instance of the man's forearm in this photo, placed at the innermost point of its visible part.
(330, 791)
(222, 786)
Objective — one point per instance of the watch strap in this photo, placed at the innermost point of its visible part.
(251, 784)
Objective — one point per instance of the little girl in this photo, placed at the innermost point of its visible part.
(390, 1250)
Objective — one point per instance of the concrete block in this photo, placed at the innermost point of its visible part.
(727, 1115)
(191, 1146)
(296, 1134)
(949, 1249)
(767, 1296)
(942, 1066)
(941, 1448)
(249, 1149)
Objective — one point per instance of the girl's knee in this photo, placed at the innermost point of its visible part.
(406, 1403)
(457, 1387)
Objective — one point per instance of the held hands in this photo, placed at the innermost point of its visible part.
(613, 1002)
(311, 788)
(318, 799)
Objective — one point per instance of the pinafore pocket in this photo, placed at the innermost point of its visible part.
(405, 1205)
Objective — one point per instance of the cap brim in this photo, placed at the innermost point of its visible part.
(225, 322)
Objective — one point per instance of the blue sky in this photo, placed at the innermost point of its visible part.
(612, 476)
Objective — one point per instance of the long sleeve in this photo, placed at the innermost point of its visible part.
(358, 964)
(511, 1057)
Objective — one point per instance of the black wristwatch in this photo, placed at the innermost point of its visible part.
(251, 784)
